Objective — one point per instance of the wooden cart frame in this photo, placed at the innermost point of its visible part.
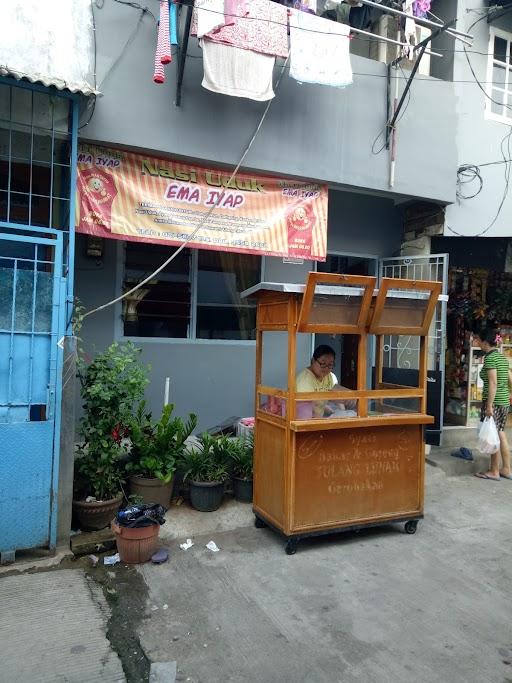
(316, 476)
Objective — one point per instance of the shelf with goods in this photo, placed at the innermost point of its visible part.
(477, 297)
(476, 385)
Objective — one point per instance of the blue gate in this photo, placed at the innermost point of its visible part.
(32, 304)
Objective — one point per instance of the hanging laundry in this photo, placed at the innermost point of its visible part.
(164, 43)
(409, 30)
(351, 12)
(173, 22)
(320, 50)
(233, 9)
(421, 8)
(264, 28)
(236, 72)
(209, 16)
(305, 6)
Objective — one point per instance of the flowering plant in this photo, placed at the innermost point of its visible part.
(110, 386)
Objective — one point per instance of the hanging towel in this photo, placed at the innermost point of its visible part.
(173, 22)
(164, 44)
(264, 28)
(233, 9)
(210, 16)
(240, 73)
(319, 50)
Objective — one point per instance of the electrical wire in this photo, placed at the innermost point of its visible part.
(206, 217)
(467, 174)
(470, 172)
(506, 154)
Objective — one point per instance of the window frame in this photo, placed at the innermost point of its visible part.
(507, 89)
(191, 338)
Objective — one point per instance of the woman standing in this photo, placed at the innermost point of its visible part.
(497, 379)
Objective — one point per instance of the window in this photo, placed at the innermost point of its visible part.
(196, 297)
(499, 81)
(35, 157)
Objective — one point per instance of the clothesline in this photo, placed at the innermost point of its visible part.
(353, 29)
(383, 8)
(241, 40)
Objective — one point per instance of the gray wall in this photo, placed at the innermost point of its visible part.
(216, 380)
(478, 139)
(311, 131)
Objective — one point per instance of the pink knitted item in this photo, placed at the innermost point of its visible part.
(164, 44)
(261, 26)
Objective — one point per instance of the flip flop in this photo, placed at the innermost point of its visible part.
(506, 476)
(484, 475)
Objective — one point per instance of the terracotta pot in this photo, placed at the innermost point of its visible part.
(151, 490)
(98, 514)
(136, 545)
(206, 496)
(242, 489)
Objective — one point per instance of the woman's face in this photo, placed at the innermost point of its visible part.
(322, 366)
(485, 346)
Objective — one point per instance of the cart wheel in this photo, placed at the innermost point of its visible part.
(291, 546)
(411, 526)
(259, 523)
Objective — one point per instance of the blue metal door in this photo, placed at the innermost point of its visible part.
(32, 292)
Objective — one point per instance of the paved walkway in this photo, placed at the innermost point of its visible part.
(52, 630)
(380, 606)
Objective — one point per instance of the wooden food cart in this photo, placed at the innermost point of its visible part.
(364, 465)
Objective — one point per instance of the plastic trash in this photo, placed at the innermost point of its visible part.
(188, 544)
(488, 438)
(463, 453)
(112, 559)
(211, 545)
(94, 560)
(141, 515)
(160, 556)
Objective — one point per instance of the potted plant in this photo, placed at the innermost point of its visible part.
(156, 448)
(206, 467)
(109, 386)
(241, 455)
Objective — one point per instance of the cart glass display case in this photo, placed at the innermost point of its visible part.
(361, 461)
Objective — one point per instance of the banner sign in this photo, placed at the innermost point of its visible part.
(127, 196)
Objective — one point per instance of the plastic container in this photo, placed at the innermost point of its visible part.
(136, 544)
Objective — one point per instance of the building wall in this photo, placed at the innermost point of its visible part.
(216, 379)
(311, 131)
(478, 139)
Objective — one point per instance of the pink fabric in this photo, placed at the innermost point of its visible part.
(263, 28)
(164, 44)
(158, 73)
(233, 8)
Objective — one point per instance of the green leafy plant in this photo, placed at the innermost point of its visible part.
(157, 446)
(110, 386)
(241, 456)
(208, 461)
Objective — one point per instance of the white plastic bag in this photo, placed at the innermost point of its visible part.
(488, 438)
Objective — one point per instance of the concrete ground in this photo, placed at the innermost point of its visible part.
(378, 606)
(375, 606)
(53, 628)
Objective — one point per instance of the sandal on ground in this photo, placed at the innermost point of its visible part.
(486, 475)
(506, 476)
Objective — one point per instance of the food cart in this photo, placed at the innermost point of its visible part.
(363, 465)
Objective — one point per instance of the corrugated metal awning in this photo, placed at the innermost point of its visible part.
(51, 43)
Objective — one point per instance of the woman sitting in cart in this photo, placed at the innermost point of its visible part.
(319, 376)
